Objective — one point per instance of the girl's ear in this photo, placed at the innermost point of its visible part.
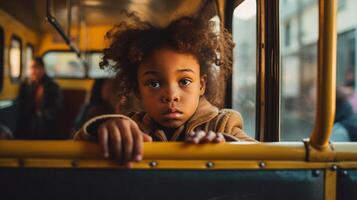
(203, 81)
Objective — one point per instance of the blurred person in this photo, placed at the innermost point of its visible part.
(103, 100)
(40, 101)
(351, 96)
(349, 88)
(345, 116)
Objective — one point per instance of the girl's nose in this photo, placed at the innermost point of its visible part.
(170, 96)
(170, 99)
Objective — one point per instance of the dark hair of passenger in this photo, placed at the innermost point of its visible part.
(350, 83)
(39, 62)
(134, 40)
(96, 95)
(340, 96)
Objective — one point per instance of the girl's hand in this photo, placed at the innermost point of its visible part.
(204, 137)
(121, 138)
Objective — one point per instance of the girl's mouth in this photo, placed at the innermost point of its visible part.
(172, 113)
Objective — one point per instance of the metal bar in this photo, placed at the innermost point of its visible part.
(330, 184)
(326, 81)
(53, 21)
(345, 151)
(169, 164)
(156, 150)
(69, 18)
(228, 22)
(268, 72)
(260, 97)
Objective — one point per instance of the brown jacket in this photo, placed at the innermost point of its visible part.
(206, 118)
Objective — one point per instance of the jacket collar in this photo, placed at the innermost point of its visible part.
(204, 113)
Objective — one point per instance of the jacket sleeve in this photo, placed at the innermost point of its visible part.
(230, 123)
(89, 130)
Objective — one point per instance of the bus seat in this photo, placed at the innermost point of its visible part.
(82, 183)
(73, 99)
(346, 184)
(7, 116)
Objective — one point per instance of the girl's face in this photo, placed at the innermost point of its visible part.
(170, 86)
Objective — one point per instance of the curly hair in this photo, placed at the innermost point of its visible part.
(134, 40)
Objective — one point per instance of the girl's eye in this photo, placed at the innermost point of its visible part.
(154, 84)
(185, 82)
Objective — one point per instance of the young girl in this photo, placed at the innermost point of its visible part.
(176, 73)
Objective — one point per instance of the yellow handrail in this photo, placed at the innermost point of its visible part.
(326, 85)
(292, 151)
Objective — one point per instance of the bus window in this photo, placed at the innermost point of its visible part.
(63, 64)
(29, 54)
(2, 42)
(94, 70)
(298, 51)
(345, 128)
(15, 58)
(244, 63)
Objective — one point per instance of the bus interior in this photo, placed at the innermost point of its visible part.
(291, 60)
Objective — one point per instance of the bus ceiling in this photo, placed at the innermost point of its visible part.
(70, 17)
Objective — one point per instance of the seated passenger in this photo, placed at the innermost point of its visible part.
(345, 115)
(102, 101)
(5, 133)
(40, 101)
(176, 72)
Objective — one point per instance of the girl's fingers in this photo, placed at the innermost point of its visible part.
(189, 137)
(115, 140)
(127, 140)
(209, 136)
(103, 140)
(138, 143)
(219, 138)
(198, 136)
(147, 138)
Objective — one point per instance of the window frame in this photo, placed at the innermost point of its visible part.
(16, 79)
(268, 71)
(31, 46)
(2, 49)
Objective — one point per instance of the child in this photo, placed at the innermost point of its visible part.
(175, 72)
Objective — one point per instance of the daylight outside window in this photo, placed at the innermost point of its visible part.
(63, 65)
(28, 58)
(244, 63)
(15, 58)
(298, 48)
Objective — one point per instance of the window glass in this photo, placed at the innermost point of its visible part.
(345, 128)
(298, 49)
(299, 70)
(244, 63)
(15, 58)
(64, 65)
(94, 70)
(29, 51)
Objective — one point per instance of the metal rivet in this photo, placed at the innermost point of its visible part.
(345, 172)
(209, 164)
(262, 164)
(21, 162)
(74, 163)
(334, 167)
(152, 164)
(316, 173)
